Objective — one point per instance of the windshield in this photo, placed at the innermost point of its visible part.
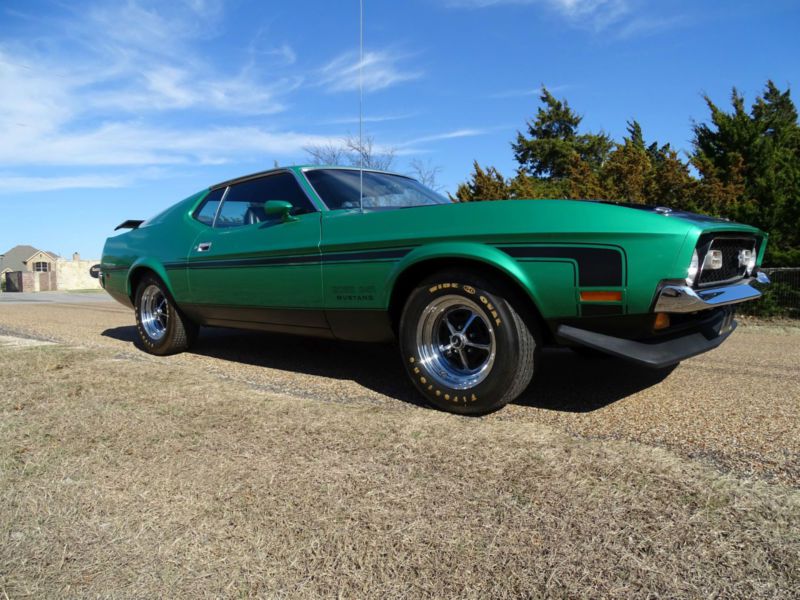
(339, 188)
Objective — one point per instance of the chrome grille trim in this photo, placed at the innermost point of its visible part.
(731, 271)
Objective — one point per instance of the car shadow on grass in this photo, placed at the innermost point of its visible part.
(374, 366)
(564, 381)
(568, 382)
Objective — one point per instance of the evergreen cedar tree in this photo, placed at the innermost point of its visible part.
(744, 165)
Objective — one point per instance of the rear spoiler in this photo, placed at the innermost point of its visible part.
(129, 224)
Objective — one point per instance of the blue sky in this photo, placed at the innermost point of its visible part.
(115, 110)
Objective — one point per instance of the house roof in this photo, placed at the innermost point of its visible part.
(16, 258)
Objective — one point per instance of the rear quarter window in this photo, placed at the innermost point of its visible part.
(208, 207)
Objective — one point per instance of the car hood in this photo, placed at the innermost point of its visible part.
(612, 212)
(547, 218)
(666, 211)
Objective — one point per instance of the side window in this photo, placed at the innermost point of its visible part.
(244, 204)
(234, 213)
(208, 209)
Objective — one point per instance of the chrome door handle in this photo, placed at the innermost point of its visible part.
(203, 247)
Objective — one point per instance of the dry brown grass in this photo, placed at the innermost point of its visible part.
(736, 408)
(131, 478)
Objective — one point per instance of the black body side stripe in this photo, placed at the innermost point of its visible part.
(596, 266)
(367, 255)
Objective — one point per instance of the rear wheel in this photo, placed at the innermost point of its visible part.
(464, 345)
(162, 328)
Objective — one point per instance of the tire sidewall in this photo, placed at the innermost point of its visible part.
(163, 345)
(485, 396)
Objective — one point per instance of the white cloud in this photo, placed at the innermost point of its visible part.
(412, 146)
(122, 85)
(575, 8)
(48, 117)
(159, 62)
(31, 99)
(379, 69)
(597, 15)
(645, 25)
(135, 144)
(520, 92)
(262, 48)
(119, 88)
(10, 184)
(134, 149)
(448, 135)
(126, 58)
(370, 119)
(286, 52)
(567, 7)
(174, 88)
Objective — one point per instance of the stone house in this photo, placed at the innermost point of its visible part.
(27, 258)
(28, 269)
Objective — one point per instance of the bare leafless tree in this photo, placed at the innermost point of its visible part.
(372, 158)
(426, 173)
(350, 151)
(326, 154)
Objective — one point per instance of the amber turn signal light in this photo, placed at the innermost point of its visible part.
(601, 296)
(661, 322)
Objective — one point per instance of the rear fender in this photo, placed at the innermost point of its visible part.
(148, 264)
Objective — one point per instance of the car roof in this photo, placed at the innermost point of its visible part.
(258, 174)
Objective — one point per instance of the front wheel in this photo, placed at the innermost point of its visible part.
(464, 345)
(162, 328)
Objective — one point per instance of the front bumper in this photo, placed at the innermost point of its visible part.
(684, 299)
(658, 352)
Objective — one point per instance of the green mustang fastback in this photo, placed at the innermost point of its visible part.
(470, 291)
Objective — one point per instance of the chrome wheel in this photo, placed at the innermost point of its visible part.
(153, 312)
(456, 342)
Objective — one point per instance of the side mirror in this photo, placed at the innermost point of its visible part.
(95, 271)
(280, 208)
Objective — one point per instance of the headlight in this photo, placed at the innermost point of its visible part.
(747, 259)
(691, 273)
(713, 260)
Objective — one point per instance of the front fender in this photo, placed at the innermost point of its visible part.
(474, 251)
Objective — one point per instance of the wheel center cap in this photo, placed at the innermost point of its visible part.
(457, 341)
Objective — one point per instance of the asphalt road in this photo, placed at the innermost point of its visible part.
(83, 297)
(737, 407)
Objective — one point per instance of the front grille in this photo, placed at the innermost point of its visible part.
(731, 269)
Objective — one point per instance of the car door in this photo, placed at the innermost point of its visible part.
(248, 267)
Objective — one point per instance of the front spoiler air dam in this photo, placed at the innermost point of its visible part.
(656, 353)
(683, 299)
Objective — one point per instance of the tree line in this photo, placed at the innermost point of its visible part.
(744, 165)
